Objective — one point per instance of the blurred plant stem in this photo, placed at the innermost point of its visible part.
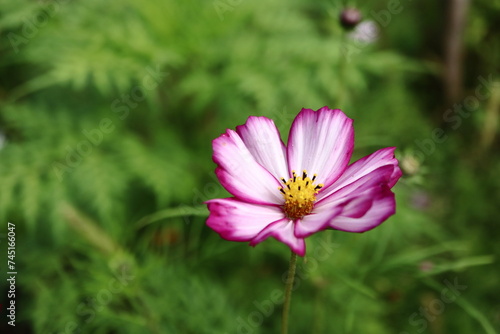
(490, 124)
(453, 45)
(343, 64)
(469, 308)
(179, 211)
(288, 293)
(89, 230)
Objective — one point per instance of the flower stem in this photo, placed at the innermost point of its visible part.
(288, 293)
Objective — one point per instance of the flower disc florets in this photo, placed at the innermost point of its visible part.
(300, 194)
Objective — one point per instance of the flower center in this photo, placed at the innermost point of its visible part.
(300, 194)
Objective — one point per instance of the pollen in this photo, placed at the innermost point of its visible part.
(300, 194)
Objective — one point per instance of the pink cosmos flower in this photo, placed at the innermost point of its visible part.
(290, 192)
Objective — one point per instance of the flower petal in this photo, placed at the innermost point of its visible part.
(358, 206)
(366, 202)
(317, 220)
(240, 221)
(383, 205)
(241, 174)
(282, 230)
(321, 142)
(364, 166)
(373, 180)
(263, 140)
(353, 200)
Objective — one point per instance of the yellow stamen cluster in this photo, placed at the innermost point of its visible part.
(300, 194)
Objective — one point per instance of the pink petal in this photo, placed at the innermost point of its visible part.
(376, 178)
(241, 174)
(364, 166)
(262, 139)
(317, 220)
(321, 142)
(240, 221)
(282, 230)
(358, 206)
(353, 201)
(383, 205)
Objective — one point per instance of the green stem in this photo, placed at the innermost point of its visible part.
(288, 293)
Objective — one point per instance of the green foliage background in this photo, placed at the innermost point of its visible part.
(110, 236)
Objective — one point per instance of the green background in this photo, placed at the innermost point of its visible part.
(107, 113)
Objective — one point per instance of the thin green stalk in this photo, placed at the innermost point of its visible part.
(288, 293)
